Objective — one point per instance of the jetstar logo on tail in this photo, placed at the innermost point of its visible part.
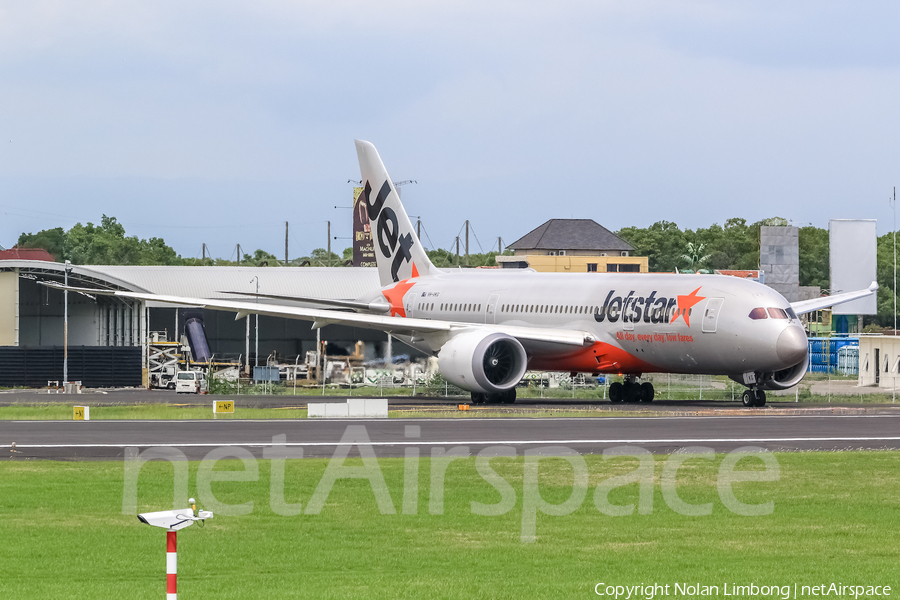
(649, 309)
(387, 229)
(395, 295)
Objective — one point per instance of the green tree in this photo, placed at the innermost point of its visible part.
(662, 243)
(814, 257)
(105, 244)
(51, 240)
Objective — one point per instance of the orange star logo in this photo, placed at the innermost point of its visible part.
(395, 295)
(685, 303)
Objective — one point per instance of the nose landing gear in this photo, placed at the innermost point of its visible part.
(631, 391)
(753, 397)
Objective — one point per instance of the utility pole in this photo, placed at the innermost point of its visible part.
(499, 245)
(329, 243)
(419, 230)
(203, 260)
(457, 251)
(66, 325)
(285, 243)
(240, 255)
(467, 242)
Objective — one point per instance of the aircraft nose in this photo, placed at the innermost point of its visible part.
(792, 346)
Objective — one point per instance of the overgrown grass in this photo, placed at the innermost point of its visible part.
(59, 411)
(64, 535)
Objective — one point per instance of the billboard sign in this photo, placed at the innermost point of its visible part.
(853, 263)
(363, 250)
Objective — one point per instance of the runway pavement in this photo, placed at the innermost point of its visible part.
(107, 440)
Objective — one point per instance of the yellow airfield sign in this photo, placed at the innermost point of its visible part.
(223, 406)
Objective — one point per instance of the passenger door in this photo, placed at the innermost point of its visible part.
(410, 301)
(711, 314)
(490, 315)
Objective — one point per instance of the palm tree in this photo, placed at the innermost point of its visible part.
(693, 256)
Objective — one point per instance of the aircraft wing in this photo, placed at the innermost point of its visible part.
(382, 307)
(441, 330)
(805, 306)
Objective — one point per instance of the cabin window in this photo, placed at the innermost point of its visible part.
(758, 313)
(777, 313)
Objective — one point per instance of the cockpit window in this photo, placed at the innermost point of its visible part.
(758, 313)
(777, 313)
(791, 312)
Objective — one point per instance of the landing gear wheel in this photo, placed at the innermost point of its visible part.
(478, 398)
(616, 392)
(632, 393)
(647, 392)
(748, 399)
(510, 396)
(760, 398)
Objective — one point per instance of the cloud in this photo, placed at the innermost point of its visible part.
(691, 111)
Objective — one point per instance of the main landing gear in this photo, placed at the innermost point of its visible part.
(507, 397)
(753, 397)
(631, 391)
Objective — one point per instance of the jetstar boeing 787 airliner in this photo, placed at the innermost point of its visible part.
(488, 327)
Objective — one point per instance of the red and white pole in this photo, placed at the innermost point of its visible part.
(171, 566)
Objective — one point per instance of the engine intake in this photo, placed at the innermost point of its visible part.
(786, 378)
(779, 380)
(483, 362)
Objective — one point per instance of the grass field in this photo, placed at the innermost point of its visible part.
(835, 519)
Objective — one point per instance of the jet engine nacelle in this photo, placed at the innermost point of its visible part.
(779, 380)
(483, 362)
(786, 378)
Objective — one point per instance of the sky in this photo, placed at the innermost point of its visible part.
(216, 122)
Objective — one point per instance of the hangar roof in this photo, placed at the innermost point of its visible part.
(344, 283)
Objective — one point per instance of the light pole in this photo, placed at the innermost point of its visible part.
(894, 206)
(68, 269)
(256, 357)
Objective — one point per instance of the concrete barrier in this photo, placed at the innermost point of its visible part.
(352, 408)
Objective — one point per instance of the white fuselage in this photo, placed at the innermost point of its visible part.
(644, 322)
